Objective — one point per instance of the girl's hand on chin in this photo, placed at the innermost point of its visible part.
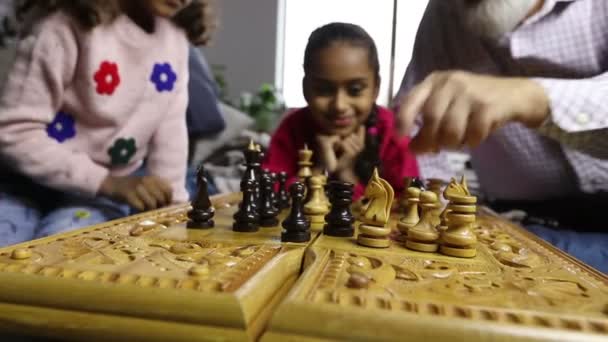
(327, 151)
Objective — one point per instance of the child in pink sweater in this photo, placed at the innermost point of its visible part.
(97, 88)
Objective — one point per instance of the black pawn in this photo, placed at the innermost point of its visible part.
(340, 219)
(296, 227)
(201, 215)
(283, 195)
(268, 211)
(247, 218)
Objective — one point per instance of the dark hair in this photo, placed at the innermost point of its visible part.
(326, 35)
(195, 19)
(322, 38)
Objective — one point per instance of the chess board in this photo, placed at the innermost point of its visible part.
(147, 277)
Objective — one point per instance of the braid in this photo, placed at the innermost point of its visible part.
(369, 158)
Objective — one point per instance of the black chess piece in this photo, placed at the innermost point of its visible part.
(283, 194)
(296, 227)
(275, 179)
(247, 218)
(340, 219)
(253, 162)
(268, 210)
(418, 183)
(201, 215)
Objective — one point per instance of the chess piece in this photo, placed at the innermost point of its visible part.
(305, 164)
(423, 236)
(268, 212)
(418, 183)
(247, 218)
(435, 185)
(411, 217)
(201, 215)
(253, 159)
(275, 178)
(283, 194)
(458, 239)
(407, 181)
(340, 218)
(375, 215)
(443, 217)
(317, 207)
(452, 189)
(324, 177)
(296, 227)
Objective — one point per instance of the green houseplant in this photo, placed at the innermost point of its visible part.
(265, 107)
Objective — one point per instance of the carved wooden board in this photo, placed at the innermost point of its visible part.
(147, 277)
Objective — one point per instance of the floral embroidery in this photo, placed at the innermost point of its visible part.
(82, 214)
(107, 78)
(62, 127)
(163, 77)
(122, 151)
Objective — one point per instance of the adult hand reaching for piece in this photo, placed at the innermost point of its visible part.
(462, 109)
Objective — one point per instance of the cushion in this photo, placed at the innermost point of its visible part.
(203, 115)
(236, 123)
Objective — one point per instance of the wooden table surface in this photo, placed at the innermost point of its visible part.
(147, 277)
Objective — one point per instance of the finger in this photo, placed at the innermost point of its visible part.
(351, 148)
(357, 143)
(165, 188)
(144, 195)
(156, 190)
(412, 105)
(329, 160)
(479, 127)
(434, 110)
(454, 124)
(360, 134)
(339, 147)
(134, 201)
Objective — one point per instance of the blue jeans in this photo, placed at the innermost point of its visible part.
(30, 211)
(590, 247)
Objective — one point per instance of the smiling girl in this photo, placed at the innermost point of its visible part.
(348, 132)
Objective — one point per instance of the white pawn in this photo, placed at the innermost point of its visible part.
(424, 235)
(317, 206)
(411, 217)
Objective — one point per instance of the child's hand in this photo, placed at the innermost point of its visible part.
(327, 151)
(338, 155)
(142, 193)
(348, 150)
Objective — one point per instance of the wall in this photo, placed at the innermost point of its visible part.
(245, 44)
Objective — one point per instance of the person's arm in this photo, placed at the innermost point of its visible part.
(168, 154)
(578, 114)
(460, 108)
(431, 48)
(429, 54)
(44, 68)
